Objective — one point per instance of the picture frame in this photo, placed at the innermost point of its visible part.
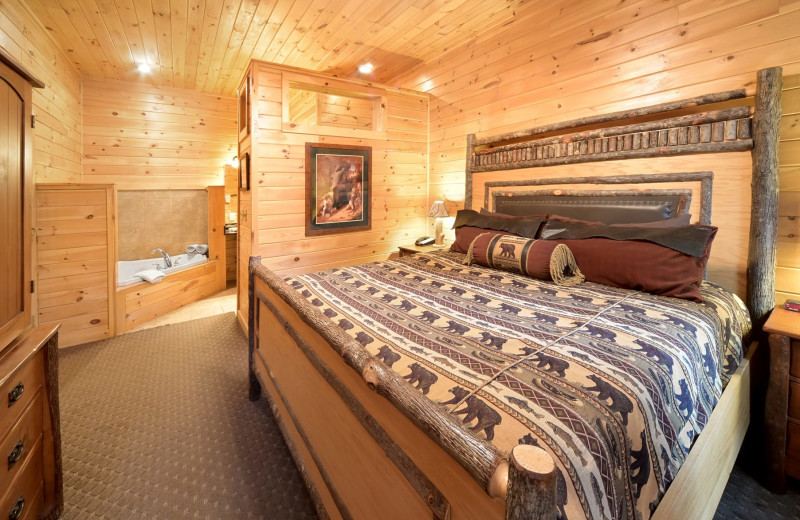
(338, 188)
(244, 172)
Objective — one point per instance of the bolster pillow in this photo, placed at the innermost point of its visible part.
(540, 259)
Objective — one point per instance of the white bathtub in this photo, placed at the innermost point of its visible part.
(127, 269)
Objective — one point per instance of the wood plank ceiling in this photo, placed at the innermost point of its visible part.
(206, 45)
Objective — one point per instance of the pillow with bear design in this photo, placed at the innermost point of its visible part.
(535, 258)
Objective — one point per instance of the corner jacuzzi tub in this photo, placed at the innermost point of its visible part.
(127, 269)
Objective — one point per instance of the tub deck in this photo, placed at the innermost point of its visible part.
(143, 302)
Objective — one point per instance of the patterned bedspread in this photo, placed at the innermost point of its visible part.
(614, 384)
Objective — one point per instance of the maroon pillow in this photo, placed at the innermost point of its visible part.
(540, 259)
(469, 224)
(642, 266)
(466, 234)
(680, 220)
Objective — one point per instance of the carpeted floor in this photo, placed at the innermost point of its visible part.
(157, 425)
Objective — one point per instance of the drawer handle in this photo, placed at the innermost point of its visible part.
(15, 393)
(16, 454)
(18, 507)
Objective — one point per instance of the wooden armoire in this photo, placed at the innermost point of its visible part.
(30, 442)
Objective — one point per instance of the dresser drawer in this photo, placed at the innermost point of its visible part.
(18, 444)
(794, 367)
(793, 440)
(25, 493)
(18, 391)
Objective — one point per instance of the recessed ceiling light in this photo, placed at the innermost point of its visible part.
(366, 68)
(144, 68)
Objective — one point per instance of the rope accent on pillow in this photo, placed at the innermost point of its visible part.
(540, 259)
(563, 268)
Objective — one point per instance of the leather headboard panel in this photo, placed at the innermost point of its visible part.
(618, 208)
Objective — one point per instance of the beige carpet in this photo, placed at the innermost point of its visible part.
(157, 425)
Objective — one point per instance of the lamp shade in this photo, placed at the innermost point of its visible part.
(438, 210)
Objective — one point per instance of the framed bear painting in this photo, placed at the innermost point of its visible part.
(338, 182)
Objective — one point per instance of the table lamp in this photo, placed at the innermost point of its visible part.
(439, 211)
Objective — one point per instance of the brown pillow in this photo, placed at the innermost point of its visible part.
(680, 220)
(540, 259)
(691, 240)
(663, 261)
(469, 224)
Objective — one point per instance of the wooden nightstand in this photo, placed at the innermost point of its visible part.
(782, 409)
(412, 249)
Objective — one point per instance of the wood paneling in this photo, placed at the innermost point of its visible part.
(206, 46)
(76, 262)
(399, 175)
(561, 63)
(144, 302)
(787, 279)
(144, 137)
(57, 107)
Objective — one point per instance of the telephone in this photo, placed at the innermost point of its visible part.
(425, 241)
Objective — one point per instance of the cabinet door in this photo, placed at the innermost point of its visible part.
(14, 210)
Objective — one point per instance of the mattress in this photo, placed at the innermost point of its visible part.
(614, 384)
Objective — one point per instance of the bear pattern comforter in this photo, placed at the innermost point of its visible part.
(614, 384)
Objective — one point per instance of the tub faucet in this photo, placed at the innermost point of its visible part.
(167, 259)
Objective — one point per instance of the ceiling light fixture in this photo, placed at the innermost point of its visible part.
(144, 68)
(366, 68)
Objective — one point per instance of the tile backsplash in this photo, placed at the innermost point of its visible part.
(169, 219)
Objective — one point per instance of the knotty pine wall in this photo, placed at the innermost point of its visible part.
(57, 107)
(140, 136)
(275, 226)
(399, 183)
(787, 275)
(564, 62)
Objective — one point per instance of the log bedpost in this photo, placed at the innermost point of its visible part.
(468, 172)
(531, 484)
(255, 386)
(762, 257)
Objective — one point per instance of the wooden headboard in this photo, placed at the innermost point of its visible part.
(720, 148)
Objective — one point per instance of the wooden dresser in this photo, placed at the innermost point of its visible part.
(31, 480)
(782, 410)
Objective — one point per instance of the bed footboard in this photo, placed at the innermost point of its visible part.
(362, 457)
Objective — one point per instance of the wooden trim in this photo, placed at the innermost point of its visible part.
(112, 254)
(733, 115)
(576, 153)
(20, 69)
(762, 253)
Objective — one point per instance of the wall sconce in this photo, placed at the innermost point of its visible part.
(438, 211)
(235, 161)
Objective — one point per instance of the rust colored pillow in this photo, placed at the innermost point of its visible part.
(469, 224)
(642, 266)
(540, 259)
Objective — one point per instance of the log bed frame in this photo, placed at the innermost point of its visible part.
(361, 458)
